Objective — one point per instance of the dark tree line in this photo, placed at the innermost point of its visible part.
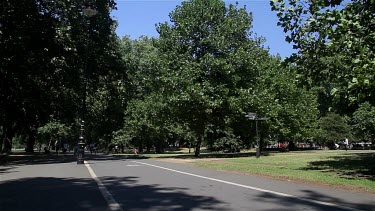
(44, 47)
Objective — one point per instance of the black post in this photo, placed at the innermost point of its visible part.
(257, 134)
(254, 116)
(89, 12)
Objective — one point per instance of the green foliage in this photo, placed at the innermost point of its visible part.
(206, 48)
(48, 49)
(197, 81)
(202, 76)
(53, 131)
(228, 143)
(292, 110)
(364, 122)
(334, 40)
(334, 129)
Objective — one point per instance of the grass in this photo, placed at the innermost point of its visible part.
(346, 169)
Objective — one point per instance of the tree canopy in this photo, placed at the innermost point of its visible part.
(193, 84)
(335, 43)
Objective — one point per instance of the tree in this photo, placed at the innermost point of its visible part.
(146, 119)
(334, 128)
(53, 131)
(364, 121)
(207, 48)
(292, 109)
(335, 46)
(42, 67)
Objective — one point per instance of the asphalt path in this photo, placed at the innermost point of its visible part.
(107, 183)
(156, 185)
(50, 184)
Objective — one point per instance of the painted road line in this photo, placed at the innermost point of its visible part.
(112, 204)
(253, 188)
(134, 165)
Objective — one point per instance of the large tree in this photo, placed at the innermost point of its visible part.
(211, 56)
(44, 49)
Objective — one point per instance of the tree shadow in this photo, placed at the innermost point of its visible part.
(6, 170)
(50, 193)
(32, 159)
(134, 196)
(356, 165)
(309, 201)
(39, 159)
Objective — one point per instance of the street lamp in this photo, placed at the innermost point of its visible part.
(254, 116)
(89, 12)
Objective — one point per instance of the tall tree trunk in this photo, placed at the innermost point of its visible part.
(7, 143)
(198, 146)
(30, 141)
(2, 141)
(200, 134)
(8, 135)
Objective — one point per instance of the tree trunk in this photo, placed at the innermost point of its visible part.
(30, 142)
(198, 146)
(2, 141)
(8, 134)
(7, 143)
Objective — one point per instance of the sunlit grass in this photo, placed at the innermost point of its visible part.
(350, 169)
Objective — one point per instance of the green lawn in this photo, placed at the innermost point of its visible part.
(348, 169)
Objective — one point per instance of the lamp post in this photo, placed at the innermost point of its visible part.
(89, 12)
(254, 116)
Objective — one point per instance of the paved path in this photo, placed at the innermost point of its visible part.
(157, 185)
(55, 184)
(61, 184)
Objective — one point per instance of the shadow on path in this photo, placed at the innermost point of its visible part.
(135, 196)
(295, 203)
(49, 193)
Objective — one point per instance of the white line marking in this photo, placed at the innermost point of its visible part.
(130, 165)
(253, 188)
(112, 204)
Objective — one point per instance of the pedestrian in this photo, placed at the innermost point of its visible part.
(136, 150)
(57, 146)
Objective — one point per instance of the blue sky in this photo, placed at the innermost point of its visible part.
(138, 17)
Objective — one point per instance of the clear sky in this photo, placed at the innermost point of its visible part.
(138, 17)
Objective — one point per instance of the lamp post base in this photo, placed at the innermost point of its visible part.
(81, 153)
